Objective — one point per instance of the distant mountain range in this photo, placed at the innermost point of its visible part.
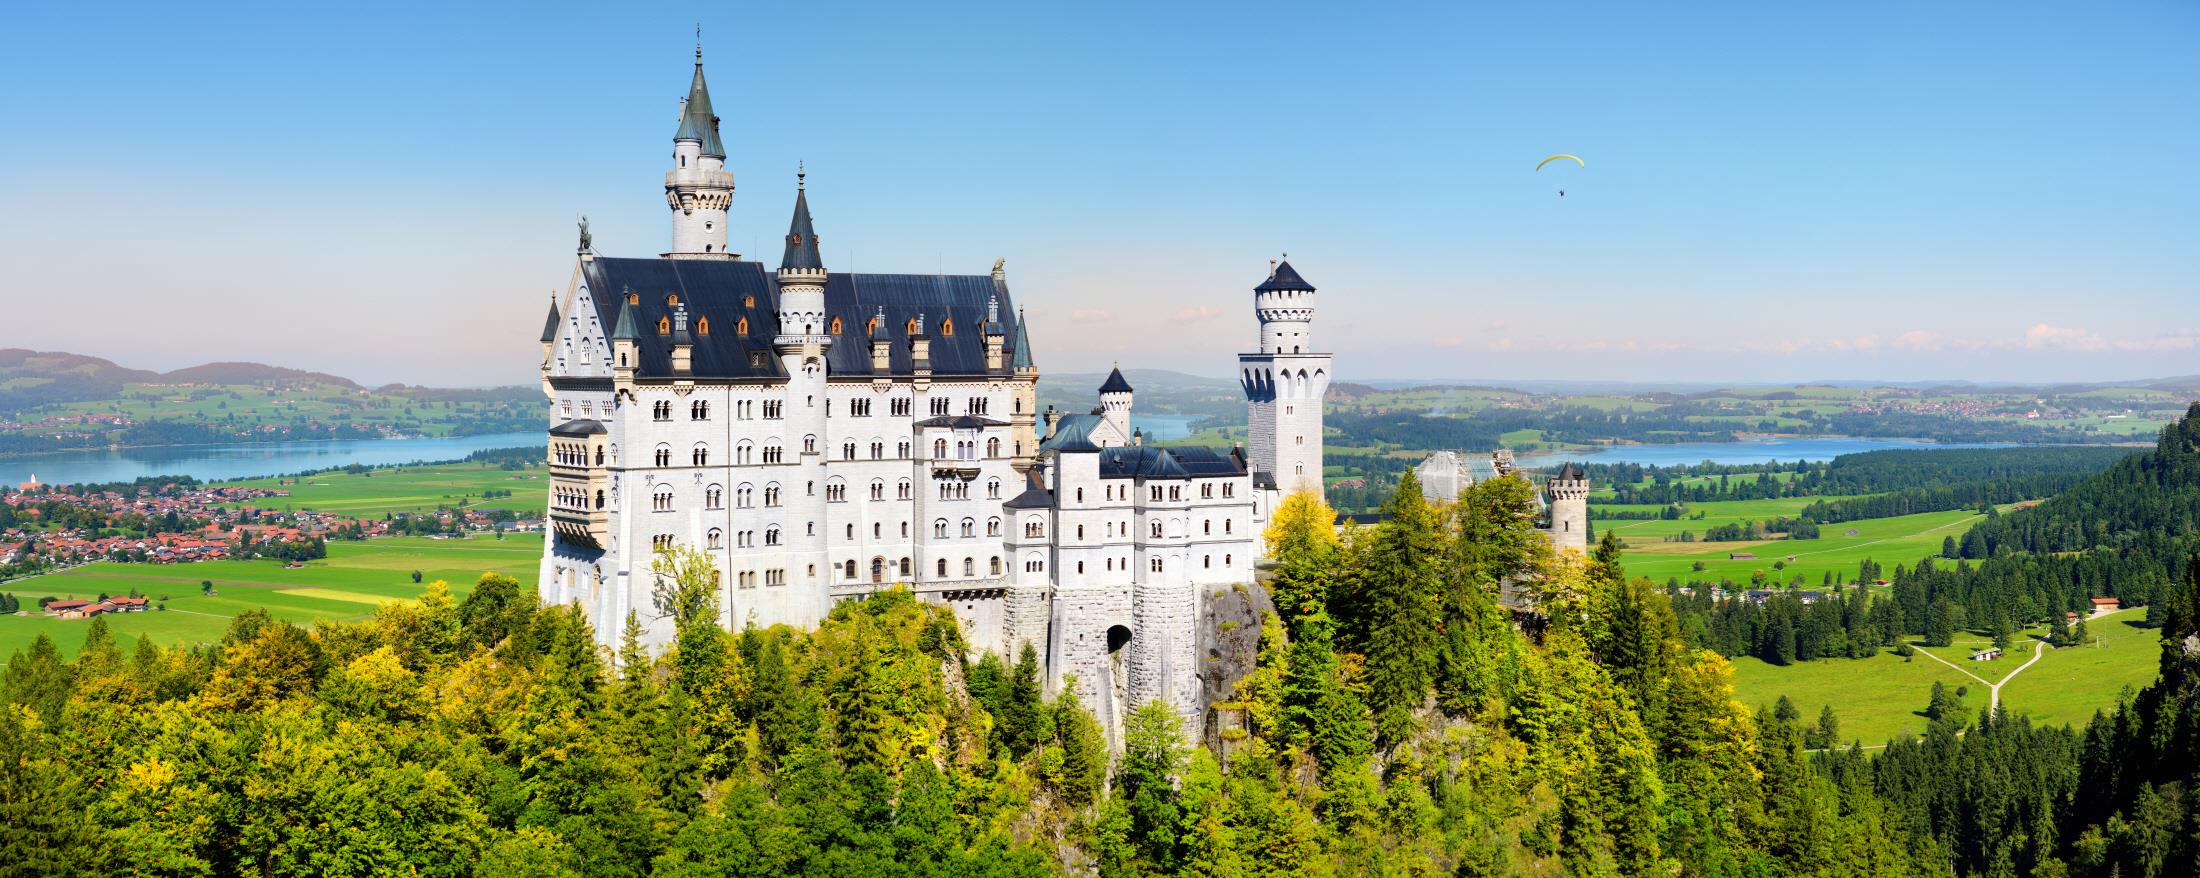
(33, 378)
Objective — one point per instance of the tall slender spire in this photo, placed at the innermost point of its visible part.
(801, 235)
(697, 122)
(1022, 360)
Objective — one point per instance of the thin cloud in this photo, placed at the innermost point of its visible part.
(1197, 313)
(1090, 315)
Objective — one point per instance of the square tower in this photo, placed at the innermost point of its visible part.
(1285, 384)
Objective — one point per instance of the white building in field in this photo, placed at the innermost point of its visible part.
(820, 435)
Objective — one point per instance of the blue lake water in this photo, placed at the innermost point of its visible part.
(217, 462)
(1163, 426)
(1746, 452)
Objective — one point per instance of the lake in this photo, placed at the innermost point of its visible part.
(219, 462)
(1744, 452)
(1161, 426)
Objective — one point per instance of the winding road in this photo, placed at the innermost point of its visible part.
(2039, 648)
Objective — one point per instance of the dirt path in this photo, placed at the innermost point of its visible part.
(2039, 648)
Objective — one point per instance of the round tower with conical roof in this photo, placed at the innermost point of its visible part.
(699, 189)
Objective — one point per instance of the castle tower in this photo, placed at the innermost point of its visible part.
(1023, 419)
(1285, 384)
(1570, 508)
(698, 188)
(1115, 402)
(801, 344)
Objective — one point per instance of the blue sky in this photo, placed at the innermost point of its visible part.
(1773, 192)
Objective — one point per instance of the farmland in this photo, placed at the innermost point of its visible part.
(344, 587)
(1901, 539)
(408, 489)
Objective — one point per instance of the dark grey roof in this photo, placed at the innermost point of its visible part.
(550, 327)
(1264, 479)
(1071, 430)
(802, 237)
(578, 427)
(961, 422)
(1035, 494)
(1284, 278)
(1115, 382)
(1154, 462)
(697, 123)
(716, 291)
(1571, 472)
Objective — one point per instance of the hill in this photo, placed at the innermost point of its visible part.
(29, 379)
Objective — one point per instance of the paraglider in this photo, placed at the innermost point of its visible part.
(1549, 159)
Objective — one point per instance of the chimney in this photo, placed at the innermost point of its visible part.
(1052, 417)
(882, 347)
(920, 348)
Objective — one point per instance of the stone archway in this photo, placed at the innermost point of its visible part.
(1119, 670)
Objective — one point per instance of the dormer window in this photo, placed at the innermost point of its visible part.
(836, 326)
(672, 300)
(748, 301)
(947, 327)
(664, 326)
(702, 326)
(911, 327)
(741, 326)
(870, 327)
(633, 298)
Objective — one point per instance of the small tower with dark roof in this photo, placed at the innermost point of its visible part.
(1569, 490)
(1115, 402)
(698, 188)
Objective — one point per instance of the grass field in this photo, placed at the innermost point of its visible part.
(1880, 697)
(2068, 685)
(1902, 539)
(409, 489)
(343, 587)
(1876, 699)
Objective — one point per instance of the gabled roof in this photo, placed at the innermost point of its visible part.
(1071, 430)
(697, 123)
(550, 327)
(1115, 382)
(1284, 278)
(801, 237)
(1179, 462)
(730, 291)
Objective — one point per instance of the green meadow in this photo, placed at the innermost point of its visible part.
(373, 493)
(346, 586)
(1875, 698)
(2069, 684)
(1840, 547)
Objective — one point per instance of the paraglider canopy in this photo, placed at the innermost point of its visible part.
(1575, 158)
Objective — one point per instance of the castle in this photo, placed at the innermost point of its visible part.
(821, 435)
(1445, 475)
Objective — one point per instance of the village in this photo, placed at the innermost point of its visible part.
(49, 527)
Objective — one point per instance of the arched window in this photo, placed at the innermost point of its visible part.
(599, 499)
(699, 410)
(702, 326)
(716, 538)
(664, 326)
(664, 455)
(939, 529)
(906, 566)
(741, 326)
(970, 566)
(1157, 530)
(714, 497)
(993, 489)
(970, 527)
(771, 495)
(809, 445)
(771, 536)
(847, 451)
(994, 567)
(992, 527)
(744, 496)
(848, 570)
(878, 489)
(1157, 565)
(939, 449)
(701, 455)
(993, 447)
(943, 568)
(661, 499)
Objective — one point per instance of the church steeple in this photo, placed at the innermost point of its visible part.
(699, 188)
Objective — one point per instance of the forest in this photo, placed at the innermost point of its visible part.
(1999, 475)
(1399, 720)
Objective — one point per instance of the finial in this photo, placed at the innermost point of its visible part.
(800, 173)
(698, 43)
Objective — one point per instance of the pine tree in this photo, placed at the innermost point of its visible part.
(1399, 597)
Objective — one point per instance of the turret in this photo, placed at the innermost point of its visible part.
(802, 279)
(550, 332)
(1285, 304)
(1115, 401)
(1286, 382)
(625, 346)
(1569, 490)
(698, 188)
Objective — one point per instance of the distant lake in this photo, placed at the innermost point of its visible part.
(1733, 453)
(1163, 426)
(209, 463)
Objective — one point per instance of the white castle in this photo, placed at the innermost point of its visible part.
(822, 435)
